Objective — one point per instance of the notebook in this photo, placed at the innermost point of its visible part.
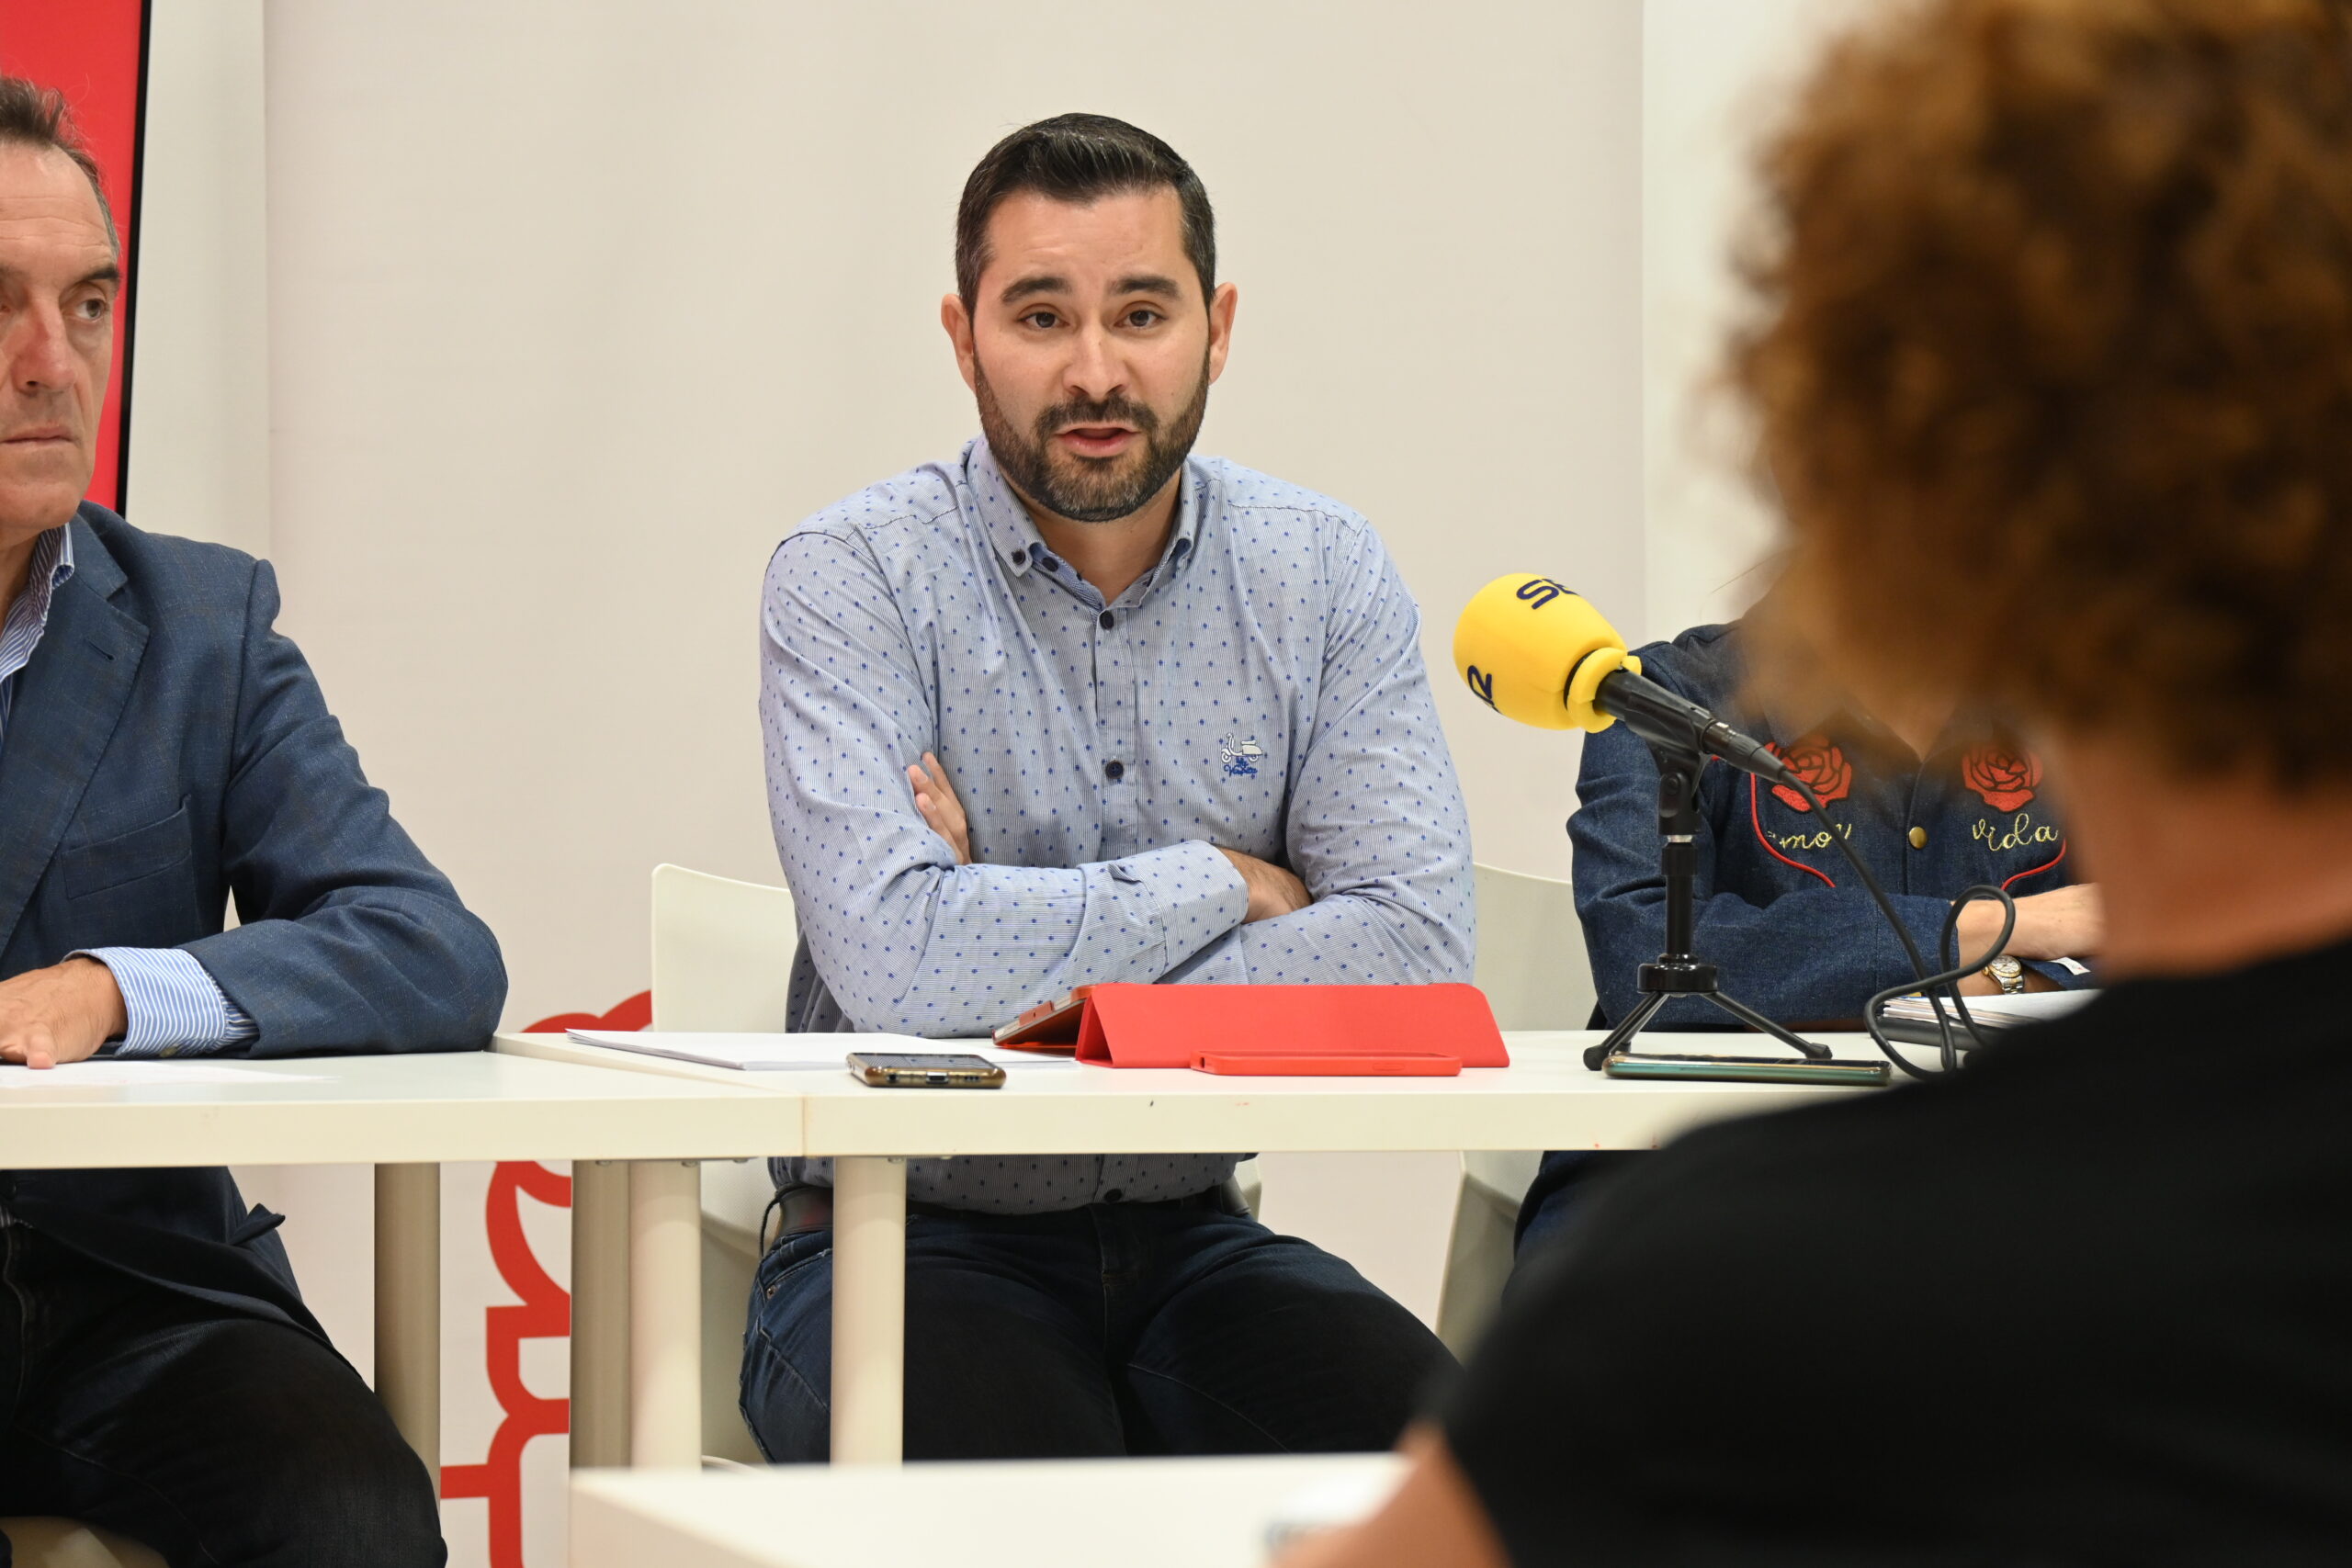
(1912, 1020)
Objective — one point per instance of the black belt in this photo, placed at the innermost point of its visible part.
(800, 1208)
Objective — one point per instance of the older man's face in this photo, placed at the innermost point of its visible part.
(59, 278)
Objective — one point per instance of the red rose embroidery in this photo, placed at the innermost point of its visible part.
(1820, 765)
(2003, 779)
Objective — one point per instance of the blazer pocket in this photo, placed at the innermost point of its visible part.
(125, 858)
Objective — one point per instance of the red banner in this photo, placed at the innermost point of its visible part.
(95, 51)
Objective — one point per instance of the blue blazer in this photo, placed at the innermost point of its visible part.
(168, 750)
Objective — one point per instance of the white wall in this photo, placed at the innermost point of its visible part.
(1714, 72)
(199, 460)
(576, 309)
(200, 432)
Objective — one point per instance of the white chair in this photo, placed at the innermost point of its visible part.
(68, 1543)
(722, 963)
(1531, 965)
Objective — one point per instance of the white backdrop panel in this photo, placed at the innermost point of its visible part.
(576, 309)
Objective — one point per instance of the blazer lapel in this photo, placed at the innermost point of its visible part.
(69, 699)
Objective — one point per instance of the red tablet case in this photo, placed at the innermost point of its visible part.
(1339, 1031)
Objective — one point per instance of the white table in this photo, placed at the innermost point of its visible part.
(1546, 1100)
(1147, 1513)
(408, 1115)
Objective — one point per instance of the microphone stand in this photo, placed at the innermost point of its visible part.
(1678, 972)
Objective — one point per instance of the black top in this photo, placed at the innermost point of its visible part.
(2090, 1302)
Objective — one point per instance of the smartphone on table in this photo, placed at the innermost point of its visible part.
(1745, 1070)
(899, 1070)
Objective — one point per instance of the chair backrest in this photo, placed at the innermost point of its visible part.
(722, 964)
(722, 951)
(1531, 960)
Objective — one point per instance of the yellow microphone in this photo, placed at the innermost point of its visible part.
(1533, 651)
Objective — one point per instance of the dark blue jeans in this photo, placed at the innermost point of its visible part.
(1564, 1184)
(1118, 1329)
(220, 1441)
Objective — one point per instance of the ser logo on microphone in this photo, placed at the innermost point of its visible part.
(1535, 592)
(1539, 592)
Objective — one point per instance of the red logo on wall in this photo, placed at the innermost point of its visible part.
(1822, 766)
(544, 1313)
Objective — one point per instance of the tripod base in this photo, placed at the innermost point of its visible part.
(1622, 1037)
(1680, 972)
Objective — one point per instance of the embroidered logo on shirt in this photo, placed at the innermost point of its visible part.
(1820, 765)
(2003, 779)
(1242, 758)
(2020, 832)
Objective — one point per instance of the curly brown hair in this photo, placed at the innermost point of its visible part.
(2052, 365)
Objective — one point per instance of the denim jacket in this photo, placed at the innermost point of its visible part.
(1778, 908)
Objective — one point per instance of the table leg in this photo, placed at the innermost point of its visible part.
(869, 1310)
(408, 1305)
(599, 1313)
(665, 1314)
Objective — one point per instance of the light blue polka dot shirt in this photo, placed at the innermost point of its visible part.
(1261, 688)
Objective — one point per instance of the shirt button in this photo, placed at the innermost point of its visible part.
(1108, 620)
(1114, 1195)
(1918, 838)
(1021, 556)
(1114, 769)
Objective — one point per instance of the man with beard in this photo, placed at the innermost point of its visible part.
(1190, 738)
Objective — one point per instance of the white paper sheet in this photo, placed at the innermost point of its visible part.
(2001, 1012)
(114, 1072)
(788, 1052)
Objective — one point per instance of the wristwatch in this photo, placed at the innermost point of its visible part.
(2007, 973)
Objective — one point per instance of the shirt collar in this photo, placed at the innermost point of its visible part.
(1806, 704)
(1846, 722)
(52, 564)
(1013, 533)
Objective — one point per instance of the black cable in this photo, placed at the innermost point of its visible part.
(1929, 984)
(1923, 981)
(1947, 951)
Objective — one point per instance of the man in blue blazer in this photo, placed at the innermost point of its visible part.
(163, 749)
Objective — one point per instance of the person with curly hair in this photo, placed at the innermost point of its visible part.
(2055, 331)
